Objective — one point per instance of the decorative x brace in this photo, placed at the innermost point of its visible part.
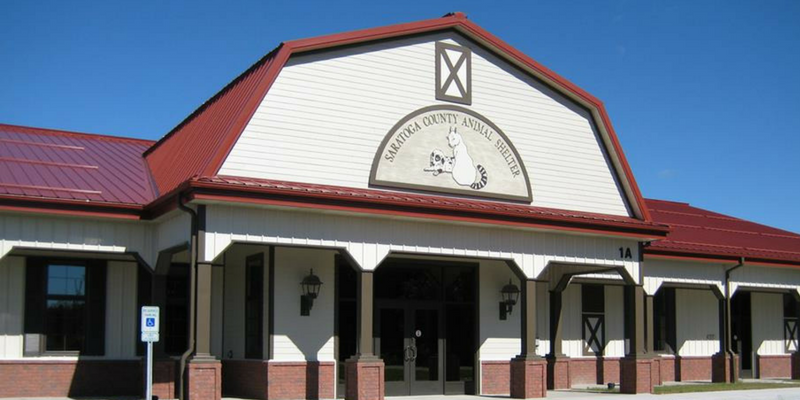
(453, 73)
(593, 333)
(790, 333)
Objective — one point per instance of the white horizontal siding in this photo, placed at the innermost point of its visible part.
(697, 320)
(12, 306)
(767, 322)
(326, 114)
(369, 240)
(121, 312)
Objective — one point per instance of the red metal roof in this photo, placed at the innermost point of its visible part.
(189, 149)
(233, 188)
(699, 232)
(199, 145)
(50, 164)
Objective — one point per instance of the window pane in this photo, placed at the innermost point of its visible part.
(593, 298)
(66, 280)
(459, 284)
(64, 327)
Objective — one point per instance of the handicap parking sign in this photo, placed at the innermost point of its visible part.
(150, 324)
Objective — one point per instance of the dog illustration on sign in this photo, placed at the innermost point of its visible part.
(459, 165)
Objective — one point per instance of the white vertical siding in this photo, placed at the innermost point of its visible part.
(572, 332)
(356, 95)
(12, 306)
(299, 338)
(217, 309)
(697, 320)
(753, 276)
(615, 321)
(658, 271)
(121, 313)
(86, 234)
(370, 239)
(234, 295)
(499, 340)
(767, 321)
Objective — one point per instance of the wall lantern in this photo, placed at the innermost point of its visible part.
(310, 286)
(510, 294)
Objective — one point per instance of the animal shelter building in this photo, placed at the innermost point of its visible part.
(405, 210)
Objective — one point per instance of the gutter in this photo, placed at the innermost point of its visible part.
(192, 299)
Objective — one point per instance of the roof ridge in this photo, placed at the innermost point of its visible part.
(84, 135)
(211, 100)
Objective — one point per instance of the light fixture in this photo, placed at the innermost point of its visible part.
(310, 286)
(510, 295)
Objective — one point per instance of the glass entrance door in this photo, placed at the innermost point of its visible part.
(410, 344)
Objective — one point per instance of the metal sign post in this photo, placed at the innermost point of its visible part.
(150, 325)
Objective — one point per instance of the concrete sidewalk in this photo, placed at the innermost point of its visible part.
(761, 394)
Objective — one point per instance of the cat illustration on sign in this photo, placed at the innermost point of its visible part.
(459, 165)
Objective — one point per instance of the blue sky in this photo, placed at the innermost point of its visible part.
(705, 95)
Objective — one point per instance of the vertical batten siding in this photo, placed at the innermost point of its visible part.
(234, 295)
(370, 239)
(572, 333)
(97, 235)
(217, 310)
(753, 276)
(12, 306)
(696, 318)
(767, 321)
(657, 272)
(499, 340)
(615, 321)
(299, 338)
(121, 313)
(356, 95)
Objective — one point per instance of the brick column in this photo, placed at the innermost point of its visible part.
(636, 369)
(557, 363)
(528, 371)
(364, 372)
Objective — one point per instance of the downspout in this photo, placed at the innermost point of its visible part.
(192, 296)
(728, 334)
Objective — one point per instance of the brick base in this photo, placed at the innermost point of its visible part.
(300, 380)
(558, 375)
(83, 378)
(244, 379)
(723, 368)
(528, 378)
(636, 375)
(495, 377)
(364, 379)
(204, 380)
(777, 366)
(593, 371)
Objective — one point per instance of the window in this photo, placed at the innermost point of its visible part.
(790, 334)
(65, 307)
(664, 333)
(593, 307)
(254, 307)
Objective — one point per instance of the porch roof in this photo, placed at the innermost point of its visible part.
(707, 234)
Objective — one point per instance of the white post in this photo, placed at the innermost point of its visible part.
(149, 388)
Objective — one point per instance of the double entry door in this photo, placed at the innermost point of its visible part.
(409, 340)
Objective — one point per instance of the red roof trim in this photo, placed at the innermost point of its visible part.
(374, 201)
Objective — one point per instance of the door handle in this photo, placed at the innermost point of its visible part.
(407, 354)
(413, 352)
